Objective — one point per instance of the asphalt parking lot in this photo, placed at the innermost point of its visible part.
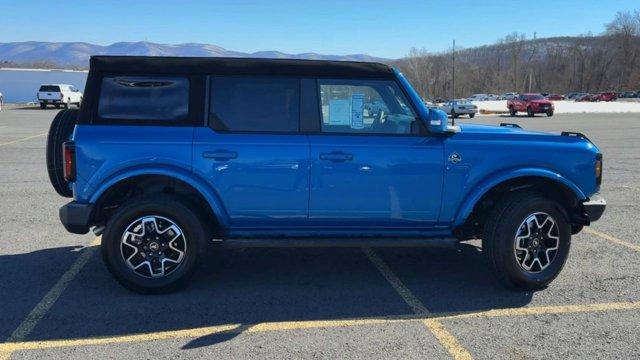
(59, 301)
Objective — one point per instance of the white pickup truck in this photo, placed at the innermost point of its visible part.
(59, 94)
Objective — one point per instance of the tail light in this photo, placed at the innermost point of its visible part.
(598, 169)
(69, 160)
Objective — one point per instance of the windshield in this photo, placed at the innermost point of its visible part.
(534, 97)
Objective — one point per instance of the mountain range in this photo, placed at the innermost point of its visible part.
(76, 54)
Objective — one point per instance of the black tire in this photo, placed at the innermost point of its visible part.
(500, 231)
(59, 132)
(179, 211)
(530, 112)
(43, 106)
(471, 115)
(550, 113)
(512, 111)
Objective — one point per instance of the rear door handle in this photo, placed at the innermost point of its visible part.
(336, 156)
(220, 155)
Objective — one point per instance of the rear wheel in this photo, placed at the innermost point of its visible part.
(59, 132)
(472, 115)
(526, 240)
(512, 111)
(530, 112)
(550, 113)
(153, 244)
(43, 106)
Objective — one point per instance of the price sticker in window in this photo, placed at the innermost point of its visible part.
(357, 109)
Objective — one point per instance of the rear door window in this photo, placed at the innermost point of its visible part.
(153, 98)
(254, 104)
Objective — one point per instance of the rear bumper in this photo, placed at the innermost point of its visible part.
(594, 207)
(76, 217)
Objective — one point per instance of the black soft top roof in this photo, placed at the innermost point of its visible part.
(237, 66)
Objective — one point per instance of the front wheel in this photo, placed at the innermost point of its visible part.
(512, 111)
(43, 106)
(153, 244)
(472, 115)
(530, 112)
(526, 240)
(550, 113)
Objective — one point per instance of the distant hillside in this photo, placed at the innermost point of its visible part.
(559, 64)
(76, 54)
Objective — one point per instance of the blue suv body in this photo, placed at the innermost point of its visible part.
(168, 154)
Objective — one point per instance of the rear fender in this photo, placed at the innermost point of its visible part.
(209, 193)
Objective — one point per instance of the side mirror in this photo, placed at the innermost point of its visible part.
(438, 122)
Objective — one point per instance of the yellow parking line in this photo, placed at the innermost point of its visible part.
(45, 304)
(22, 139)
(7, 348)
(612, 239)
(445, 337)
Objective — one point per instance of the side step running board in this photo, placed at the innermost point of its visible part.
(339, 242)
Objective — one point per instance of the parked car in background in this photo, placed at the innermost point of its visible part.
(531, 104)
(483, 97)
(555, 97)
(575, 95)
(605, 96)
(478, 97)
(628, 95)
(459, 107)
(509, 96)
(58, 94)
(583, 97)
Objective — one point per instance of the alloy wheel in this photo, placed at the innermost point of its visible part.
(153, 246)
(536, 242)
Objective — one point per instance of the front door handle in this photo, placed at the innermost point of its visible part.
(336, 156)
(220, 155)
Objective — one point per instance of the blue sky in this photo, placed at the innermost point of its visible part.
(379, 28)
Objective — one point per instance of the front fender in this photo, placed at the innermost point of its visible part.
(495, 179)
(193, 180)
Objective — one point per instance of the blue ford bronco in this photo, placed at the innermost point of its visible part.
(168, 155)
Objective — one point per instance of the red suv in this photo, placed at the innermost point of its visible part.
(605, 96)
(531, 103)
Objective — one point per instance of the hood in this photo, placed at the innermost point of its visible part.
(498, 130)
(514, 135)
(541, 101)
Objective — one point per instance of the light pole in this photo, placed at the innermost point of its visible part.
(453, 73)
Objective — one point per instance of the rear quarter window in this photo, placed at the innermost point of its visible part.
(144, 98)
